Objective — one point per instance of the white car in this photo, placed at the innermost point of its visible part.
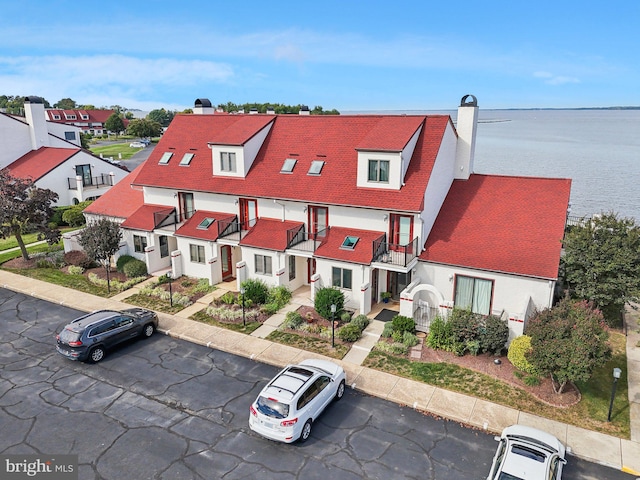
(526, 453)
(137, 145)
(287, 407)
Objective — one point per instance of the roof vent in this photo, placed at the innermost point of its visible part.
(465, 102)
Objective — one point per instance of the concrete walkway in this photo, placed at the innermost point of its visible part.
(593, 446)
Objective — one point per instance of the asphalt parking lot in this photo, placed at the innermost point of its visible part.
(168, 409)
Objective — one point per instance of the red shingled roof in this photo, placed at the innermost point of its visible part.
(506, 224)
(121, 201)
(269, 233)
(362, 253)
(331, 138)
(37, 163)
(190, 227)
(144, 217)
(238, 133)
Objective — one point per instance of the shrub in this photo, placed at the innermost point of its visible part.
(465, 324)
(135, 268)
(280, 296)
(73, 217)
(270, 308)
(75, 270)
(255, 290)
(349, 333)
(327, 296)
(441, 334)
(56, 218)
(473, 346)
(409, 339)
(292, 320)
(202, 286)
(403, 324)
(345, 317)
(78, 258)
(495, 334)
(387, 330)
(517, 354)
(361, 321)
(122, 261)
(393, 348)
(228, 298)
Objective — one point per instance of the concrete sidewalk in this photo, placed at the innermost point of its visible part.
(593, 446)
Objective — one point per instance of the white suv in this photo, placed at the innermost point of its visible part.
(290, 403)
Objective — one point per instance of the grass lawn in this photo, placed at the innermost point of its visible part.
(57, 277)
(153, 303)
(201, 316)
(115, 149)
(590, 413)
(10, 242)
(309, 344)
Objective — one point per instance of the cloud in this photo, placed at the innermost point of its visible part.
(551, 79)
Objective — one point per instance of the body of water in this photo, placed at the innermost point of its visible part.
(598, 149)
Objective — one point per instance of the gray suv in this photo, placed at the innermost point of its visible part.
(88, 337)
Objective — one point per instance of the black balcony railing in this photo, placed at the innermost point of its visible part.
(91, 182)
(228, 227)
(394, 254)
(164, 218)
(298, 238)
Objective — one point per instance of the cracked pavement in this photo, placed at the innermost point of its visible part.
(164, 408)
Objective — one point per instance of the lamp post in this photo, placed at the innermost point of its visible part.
(616, 376)
(170, 277)
(333, 325)
(244, 322)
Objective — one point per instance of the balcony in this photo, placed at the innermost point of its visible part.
(233, 229)
(104, 180)
(394, 254)
(299, 239)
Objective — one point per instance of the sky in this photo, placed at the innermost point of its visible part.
(350, 55)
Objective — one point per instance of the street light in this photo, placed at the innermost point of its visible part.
(170, 277)
(616, 376)
(244, 322)
(333, 325)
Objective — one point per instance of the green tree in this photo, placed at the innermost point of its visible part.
(162, 116)
(65, 104)
(568, 342)
(100, 241)
(25, 208)
(601, 263)
(141, 127)
(114, 124)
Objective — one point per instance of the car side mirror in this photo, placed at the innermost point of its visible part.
(497, 439)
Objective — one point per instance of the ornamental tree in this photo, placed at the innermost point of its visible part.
(601, 263)
(114, 124)
(141, 127)
(568, 342)
(25, 208)
(100, 241)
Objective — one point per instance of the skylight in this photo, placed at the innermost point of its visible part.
(349, 242)
(287, 166)
(166, 156)
(316, 167)
(186, 159)
(205, 223)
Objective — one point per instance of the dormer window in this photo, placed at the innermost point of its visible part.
(206, 223)
(69, 116)
(349, 242)
(166, 156)
(56, 117)
(378, 171)
(186, 159)
(287, 166)
(228, 161)
(316, 167)
(85, 117)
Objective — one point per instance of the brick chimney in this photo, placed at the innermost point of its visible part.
(35, 116)
(466, 126)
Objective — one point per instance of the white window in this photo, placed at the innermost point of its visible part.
(197, 253)
(341, 278)
(263, 264)
(316, 167)
(186, 159)
(227, 161)
(139, 243)
(166, 156)
(379, 171)
(287, 166)
(474, 293)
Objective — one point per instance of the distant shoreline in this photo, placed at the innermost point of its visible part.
(448, 111)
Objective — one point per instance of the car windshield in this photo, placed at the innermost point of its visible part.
(506, 476)
(529, 453)
(272, 408)
(67, 336)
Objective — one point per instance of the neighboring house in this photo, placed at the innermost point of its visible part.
(50, 154)
(89, 121)
(365, 203)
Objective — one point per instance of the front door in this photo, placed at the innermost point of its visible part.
(164, 246)
(225, 260)
(397, 283)
(374, 286)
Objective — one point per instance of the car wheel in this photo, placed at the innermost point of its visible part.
(96, 354)
(340, 391)
(148, 330)
(306, 432)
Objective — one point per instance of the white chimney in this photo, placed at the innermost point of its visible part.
(253, 111)
(202, 106)
(37, 120)
(304, 110)
(466, 126)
